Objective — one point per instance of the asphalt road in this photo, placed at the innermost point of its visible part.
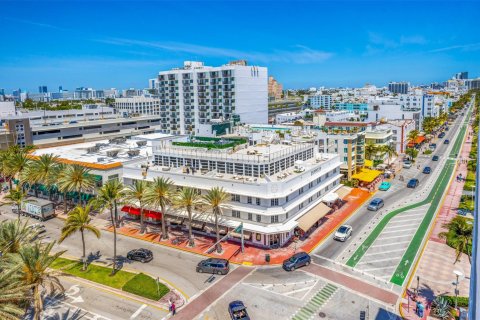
(331, 249)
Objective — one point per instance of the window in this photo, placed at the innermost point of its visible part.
(235, 213)
(257, 200)
(286, 216)
(310, 199)
(250, 216)
(274, 202)
(236, 197)
(286, 199)
(249, 200)
(310, 185)
(259, 218)
(300, 206)
(274, 219)
(300, 191)
(258, 237)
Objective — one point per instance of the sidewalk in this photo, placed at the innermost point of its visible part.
(435, 268)
(252, 255)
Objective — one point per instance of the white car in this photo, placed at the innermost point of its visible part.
(343, 233)
(407, 165)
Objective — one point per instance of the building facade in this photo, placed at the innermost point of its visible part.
(275, 89)
(398, 87)
(320, 101)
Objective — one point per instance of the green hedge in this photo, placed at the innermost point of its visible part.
(461, 302)
(146, 286)
(211, 145)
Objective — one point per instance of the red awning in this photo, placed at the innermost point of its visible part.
(147, 213)
(417, 141)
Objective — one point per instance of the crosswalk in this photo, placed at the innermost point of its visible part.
(309, 310)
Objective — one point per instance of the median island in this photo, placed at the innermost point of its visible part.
(136, 283)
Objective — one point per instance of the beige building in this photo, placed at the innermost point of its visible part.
(274, 89)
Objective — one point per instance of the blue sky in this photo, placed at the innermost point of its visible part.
(314, 43)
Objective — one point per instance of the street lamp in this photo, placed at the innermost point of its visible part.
(458, 274)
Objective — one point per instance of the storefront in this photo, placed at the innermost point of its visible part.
(133, 213)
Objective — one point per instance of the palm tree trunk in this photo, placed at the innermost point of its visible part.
(191, 242)
(142, 224)
(114, 241)
(38, 303)
(10, 183)
(65, 202)
(219, 248)
(84, 257)
(35, 189)
(164, 227)
(116, 213)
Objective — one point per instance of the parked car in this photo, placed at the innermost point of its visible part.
(413, 183)
(446, 141)
(213, 265)
(142, 255)
(343, 233)
(427, 170)
(441, 135)
(435, 158)
(296, 261)
(238, 311)
(384, 186)
(38, 227)
(407, 164)
(375, 204)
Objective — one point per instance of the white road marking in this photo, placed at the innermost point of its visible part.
(396, 231)
(389, 244)
(139, 310)
(379, 260)
(380, 268)
(400, 226)
(384, 252)
(394, 237)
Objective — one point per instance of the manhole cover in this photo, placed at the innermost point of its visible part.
(322, 315)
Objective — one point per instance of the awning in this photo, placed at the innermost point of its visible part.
(146, 213)
(343, 192)
(330, 197)
(308, 220)
(175, 220)
(368, 163)
(367, 175)
(197, 225)
(417, 141)
(246, 235)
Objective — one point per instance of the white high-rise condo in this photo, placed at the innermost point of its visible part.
(196, 96)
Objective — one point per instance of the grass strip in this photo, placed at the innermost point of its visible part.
(139, 284)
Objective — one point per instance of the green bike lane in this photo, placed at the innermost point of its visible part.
(434, 198)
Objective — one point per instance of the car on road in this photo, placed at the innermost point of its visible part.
(384, 186)
(213, 265)
(446, 141)
(427, 170)
(413, 183)
(375, 204)
(432, 146)
(142, 255)
(38, 227)
(435, 158)
(298, 260)
(343, 233)
(407, 164)
(441, 135)
(238, 311)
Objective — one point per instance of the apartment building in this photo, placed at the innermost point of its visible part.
(320, 101)
(275, 89)
(400, 130)
(273, 186)
(196, 94)
(144, 105)
(398, 87)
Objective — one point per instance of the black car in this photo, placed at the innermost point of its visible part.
(142, 255)
(213, 265)
(435, 158)
(296, 261)
(413, 183)
(441, 135)
(238, 311)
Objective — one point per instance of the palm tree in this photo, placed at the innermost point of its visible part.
(14, 234)
(44, 169)
(35, 261)
(60, 172)
(27, 177)
(135, 194)
(215, 199)
(79, 220)
(187, 199)
(459, 236)
(108, 196)
(76, 178)
(159, 195)
(15, 197)
(12, 293)
(390, 151)
(412, 136)
(17, 161)
(370, 150)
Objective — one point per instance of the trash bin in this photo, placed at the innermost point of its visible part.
(267, 258)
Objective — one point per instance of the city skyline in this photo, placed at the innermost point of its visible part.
(52, 45)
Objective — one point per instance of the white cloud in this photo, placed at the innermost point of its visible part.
(300, 54)
(465, 47)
